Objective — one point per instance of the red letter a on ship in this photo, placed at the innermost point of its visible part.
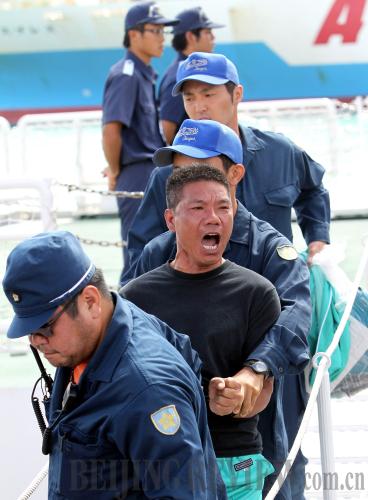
(350, 12)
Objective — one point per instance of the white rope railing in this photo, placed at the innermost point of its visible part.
(322, 368)
(35, 483)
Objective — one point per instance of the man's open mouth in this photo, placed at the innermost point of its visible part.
(210, 241)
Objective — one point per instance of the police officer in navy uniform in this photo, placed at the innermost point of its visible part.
(130, 122)
(193, 33)
(256, 245)
(136, 427)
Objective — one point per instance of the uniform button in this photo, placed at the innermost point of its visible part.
(281, 370)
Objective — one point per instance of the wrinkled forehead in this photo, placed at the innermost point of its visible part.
(204, 191)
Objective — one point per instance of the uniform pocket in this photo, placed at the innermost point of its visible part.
(147, 109)
(284, 196)
(85, 466)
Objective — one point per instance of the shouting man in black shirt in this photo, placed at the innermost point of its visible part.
(224, 308)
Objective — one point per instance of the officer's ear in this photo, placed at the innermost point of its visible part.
(235, 174)
(170, 219)
(190, 38)
(238, 94)
(90, 300)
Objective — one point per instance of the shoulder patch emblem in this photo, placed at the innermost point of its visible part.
(166, 420)
(128, 68)
(287, 252)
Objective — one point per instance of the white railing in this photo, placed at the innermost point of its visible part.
(321, 391)
(75, 121)
(68, 147)
(42, 221)
(4, 138)
(274, 111)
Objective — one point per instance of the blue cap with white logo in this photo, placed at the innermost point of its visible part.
(201, 139)
(194, 19)
(215, 69)
(42, 273)
(146, 12)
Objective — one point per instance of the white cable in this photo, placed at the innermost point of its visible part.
(35, 483)
(321, 368)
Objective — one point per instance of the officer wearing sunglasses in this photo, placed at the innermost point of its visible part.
(126, 415)
(131, 132)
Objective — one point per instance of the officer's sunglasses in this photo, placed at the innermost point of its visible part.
(46, 329)
(157, 31)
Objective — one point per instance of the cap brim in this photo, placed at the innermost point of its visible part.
(164, 21)
(213, 26)
(164, 156)
(209, 26)
(213, 80)
(20, 327)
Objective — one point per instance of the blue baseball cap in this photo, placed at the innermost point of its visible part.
(42, 273)
(201, 139)
(193, 19)
(146, 12)
(215, 69)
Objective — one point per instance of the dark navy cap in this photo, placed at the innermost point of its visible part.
(201, 139)
(42, 273)
(193, 19)
(215, 69)
(146, 12)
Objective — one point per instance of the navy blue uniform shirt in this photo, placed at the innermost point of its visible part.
(171, 108)
(279, 176)
(129, 98)
(139, 426)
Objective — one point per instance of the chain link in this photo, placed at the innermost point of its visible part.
(118, 194)
(102, 243)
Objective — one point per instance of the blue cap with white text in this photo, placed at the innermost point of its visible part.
(146, 12)
(215, 69)
(194, 19)
(201, 139)
(42, 273)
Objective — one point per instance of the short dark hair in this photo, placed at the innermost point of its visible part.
(186, 175)
(126, 39)
(97, 280)
(180, 43)
(226, 162)
(230, 87)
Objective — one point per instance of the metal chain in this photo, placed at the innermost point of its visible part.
(118, 194)
(102, 243)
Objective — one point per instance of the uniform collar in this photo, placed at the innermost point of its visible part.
(146, 69)
(249, 139)
(118, 334)
(181, 57)
(241, 227)
(250, 143)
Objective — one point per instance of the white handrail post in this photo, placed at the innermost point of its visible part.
(47, 200)
(326, 438)
(5, 129)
